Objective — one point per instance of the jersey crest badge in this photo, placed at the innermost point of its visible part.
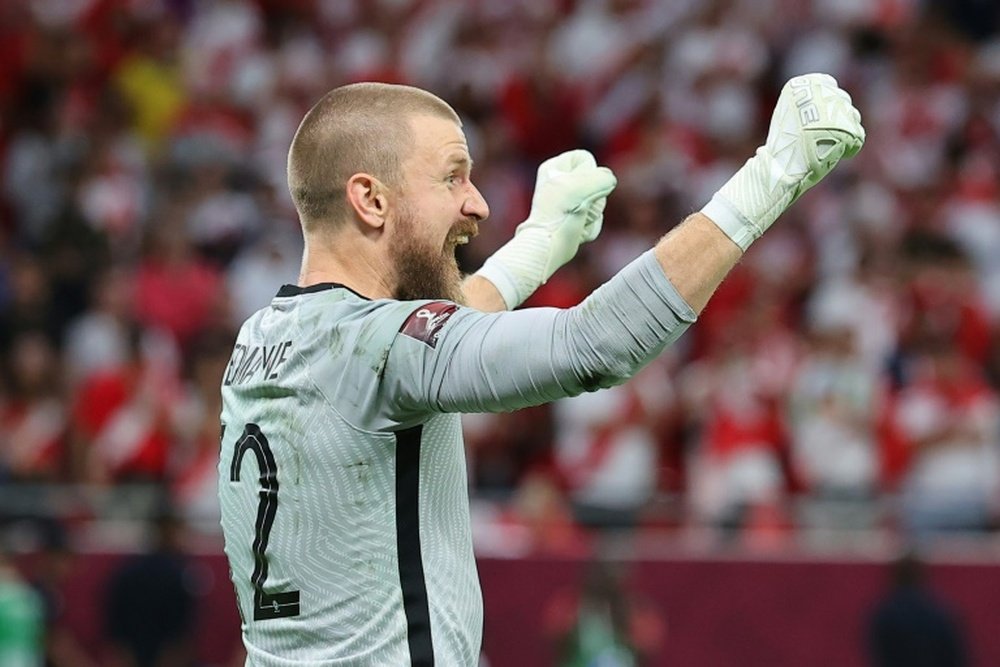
(425, 322)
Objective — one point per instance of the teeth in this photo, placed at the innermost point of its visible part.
(462, 239)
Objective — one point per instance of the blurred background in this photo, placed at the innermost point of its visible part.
(811, 471)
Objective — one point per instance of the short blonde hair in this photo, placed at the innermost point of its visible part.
(357, 128)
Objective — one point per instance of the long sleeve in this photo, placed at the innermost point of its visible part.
(495, 362)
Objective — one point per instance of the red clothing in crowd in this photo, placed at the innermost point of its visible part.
(32, 434)
(176, 298)
(124, 424)
(543, 116)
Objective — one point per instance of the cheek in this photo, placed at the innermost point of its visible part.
(433, 217)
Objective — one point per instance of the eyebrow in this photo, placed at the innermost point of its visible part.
(460, 161)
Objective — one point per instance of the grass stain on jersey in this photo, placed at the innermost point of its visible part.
(360, 469)
(383, 361)
(272, 391)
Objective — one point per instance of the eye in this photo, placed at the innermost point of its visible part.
(454, 178)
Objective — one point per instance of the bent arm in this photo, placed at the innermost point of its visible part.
(696, 281)
(505, 361)
(696, 256)
(482, 294)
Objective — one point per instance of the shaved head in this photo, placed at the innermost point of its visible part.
(358, 128)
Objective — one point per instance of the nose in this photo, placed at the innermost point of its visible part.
(475, 205)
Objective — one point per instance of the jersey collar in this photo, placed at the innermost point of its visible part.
(295, 290)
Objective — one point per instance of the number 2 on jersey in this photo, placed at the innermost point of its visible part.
(265, 605)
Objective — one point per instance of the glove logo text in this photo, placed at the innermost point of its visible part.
(803, 94)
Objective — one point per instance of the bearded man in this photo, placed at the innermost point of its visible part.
(342, 476)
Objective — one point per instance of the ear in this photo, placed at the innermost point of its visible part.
(367, 196)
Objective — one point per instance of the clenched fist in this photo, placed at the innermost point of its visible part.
(567, 209)
(814, 126)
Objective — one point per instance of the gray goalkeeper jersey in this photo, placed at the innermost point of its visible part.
(342, 473)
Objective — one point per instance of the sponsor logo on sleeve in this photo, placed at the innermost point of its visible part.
(425, 322)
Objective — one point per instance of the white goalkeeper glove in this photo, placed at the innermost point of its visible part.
(814, 125)
(567, 209)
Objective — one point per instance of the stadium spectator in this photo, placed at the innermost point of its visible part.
(834, 403)
(29, 305)
(121, 415)
(536, 521)
(605, 622)
(910, 627)
(739, 474)
(98, 339)
(607, 448)
(21, 617)
(252, 272)
(175, 290)
(149, 78)
(194, 432)
(151, 605)
(33, 416)
(950, 419)
(50, 571)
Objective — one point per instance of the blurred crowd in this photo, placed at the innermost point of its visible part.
(845, 376)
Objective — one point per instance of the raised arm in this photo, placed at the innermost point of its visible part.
(813, 126)
(504, 361)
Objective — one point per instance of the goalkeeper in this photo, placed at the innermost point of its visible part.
(342, 479)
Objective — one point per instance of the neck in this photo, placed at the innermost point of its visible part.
(350, 262)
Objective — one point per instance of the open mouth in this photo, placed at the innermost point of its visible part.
(461, 237)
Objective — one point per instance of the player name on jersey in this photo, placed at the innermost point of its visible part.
(247, 361)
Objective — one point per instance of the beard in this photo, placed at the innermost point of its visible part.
(425, 272)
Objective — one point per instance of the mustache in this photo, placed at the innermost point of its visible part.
(468, 227)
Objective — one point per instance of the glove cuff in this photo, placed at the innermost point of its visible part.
(494, 271)
(521, 265)
(749, 203)
(732, 223)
